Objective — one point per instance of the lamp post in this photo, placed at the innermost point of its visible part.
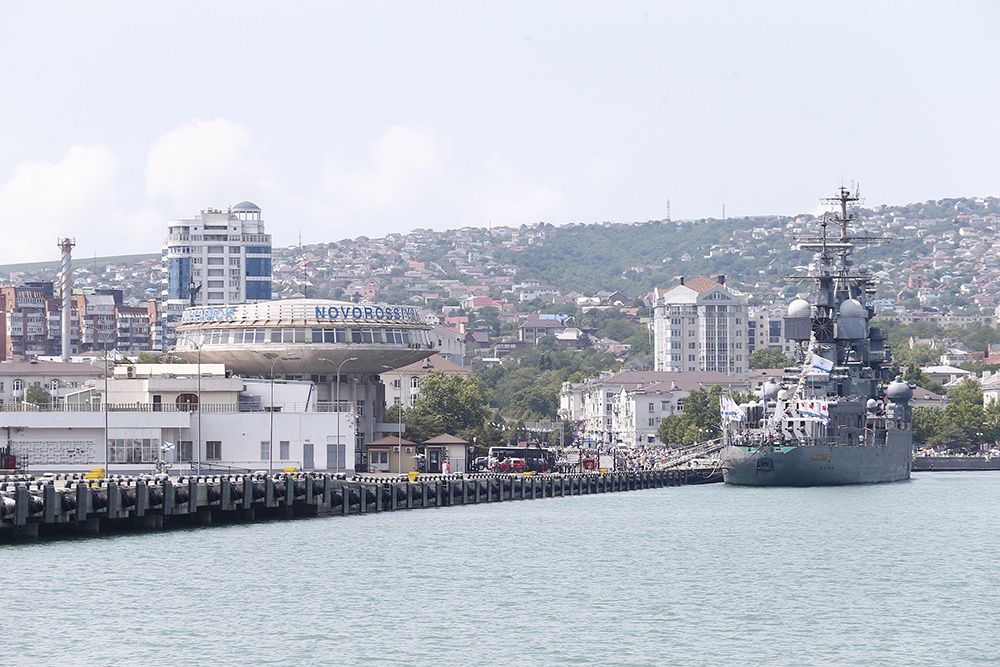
(197, 451)
(340, 366)
(274, 358)
(105, 336)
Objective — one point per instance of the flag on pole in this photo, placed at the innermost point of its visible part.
(822, 364)
(167, 446)
(730, 410)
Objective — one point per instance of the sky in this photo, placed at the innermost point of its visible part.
(346, 119)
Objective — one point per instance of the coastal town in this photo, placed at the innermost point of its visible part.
(489, 302)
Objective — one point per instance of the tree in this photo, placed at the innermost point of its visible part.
(769, 357)
(965, 416)
(37, 395)
(701, 419)
(447, 403)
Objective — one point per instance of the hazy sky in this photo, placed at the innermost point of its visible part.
(342, 119)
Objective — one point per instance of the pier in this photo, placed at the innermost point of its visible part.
(68, 505)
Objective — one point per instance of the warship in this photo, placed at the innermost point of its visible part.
(835, 417)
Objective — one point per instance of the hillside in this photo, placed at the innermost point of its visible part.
(948, 243)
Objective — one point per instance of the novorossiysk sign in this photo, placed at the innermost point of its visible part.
(344, 313)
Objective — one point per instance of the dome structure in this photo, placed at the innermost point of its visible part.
(852, 308)
(246, 206)
(799, 308)
(899, 391)
(309, 335)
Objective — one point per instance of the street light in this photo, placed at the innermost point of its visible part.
(197, 346)
(104, 403)
(399, 414)
(337, 399)
(274, 357)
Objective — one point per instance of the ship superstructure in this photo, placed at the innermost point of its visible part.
(835, 418)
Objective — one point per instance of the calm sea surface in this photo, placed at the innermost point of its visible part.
(897, 574)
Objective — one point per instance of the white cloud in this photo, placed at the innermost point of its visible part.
(402, 164)
(75, 197)
(206, 163)
(508, 198)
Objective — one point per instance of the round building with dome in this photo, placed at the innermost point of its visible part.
(309, 335)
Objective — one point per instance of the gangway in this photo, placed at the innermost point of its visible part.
(695, 451)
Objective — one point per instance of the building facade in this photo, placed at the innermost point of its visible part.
(700, 325)
(194, 417)
(627, 407)
(216, 259)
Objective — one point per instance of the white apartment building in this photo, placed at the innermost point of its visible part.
(628, 407)
(222, 257)
(700, 325)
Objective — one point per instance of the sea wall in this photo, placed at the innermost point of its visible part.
(67, 505)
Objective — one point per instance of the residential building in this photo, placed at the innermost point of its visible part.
(700, 325)
(628, 407)
(216, 259)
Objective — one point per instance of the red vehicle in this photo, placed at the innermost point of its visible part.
(511, 464)
(521, 459)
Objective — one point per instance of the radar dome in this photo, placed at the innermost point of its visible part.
(899, 391)
(799, 308)
(852, 308)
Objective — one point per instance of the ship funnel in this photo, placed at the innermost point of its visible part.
(66, 289)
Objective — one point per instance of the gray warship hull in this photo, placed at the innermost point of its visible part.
(820, 465)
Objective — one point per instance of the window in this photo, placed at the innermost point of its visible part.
(680, 405)
(17, 385)
(359, 408)
(234, 250)
(414, 382)
(691, 357)
(652, 421)
(213, 450)
(283, 450)
(265, 450)
(215, 250)
(396, 383)
(652, 406)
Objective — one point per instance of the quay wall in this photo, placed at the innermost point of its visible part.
(66, 505)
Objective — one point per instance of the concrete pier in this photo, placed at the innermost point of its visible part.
(64, 505)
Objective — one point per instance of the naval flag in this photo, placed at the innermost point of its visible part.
(730, 410)
(167, 446)
(822, 364)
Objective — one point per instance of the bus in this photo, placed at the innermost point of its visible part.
(524, 457)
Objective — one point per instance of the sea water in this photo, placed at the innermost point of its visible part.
(894, 574)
